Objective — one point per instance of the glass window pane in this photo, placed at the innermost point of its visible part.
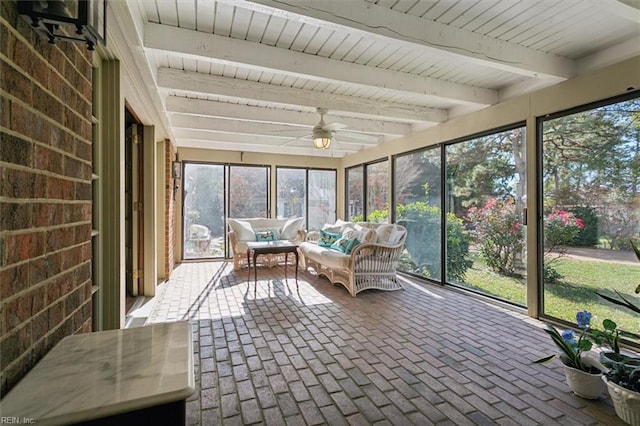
(486, 179)
(355, 194)
(591, 213)
(418, 207)
(291, 200)
(378, 192)
(203, 211)
(322, 198)
(248, 191)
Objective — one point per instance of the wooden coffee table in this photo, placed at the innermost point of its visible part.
(270, 247)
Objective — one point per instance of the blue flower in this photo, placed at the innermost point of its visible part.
(583, 319)
(569, 337)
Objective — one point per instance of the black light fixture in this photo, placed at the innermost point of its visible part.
(83, 21)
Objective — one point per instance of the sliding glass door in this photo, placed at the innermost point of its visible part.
(591, 211)
(203, 207)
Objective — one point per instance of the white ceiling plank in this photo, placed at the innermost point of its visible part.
(273, 30)
(318, 41)
(192, 82)
(404, 5)
(478, 9)
(303, 37)
(150, 9)
(205, 16)
(167, 12)
(223, 18)
(380, 23)
(258, 26)
(257, 56)
(344, 47)
(241, 23)
(187, 14)
(288, 34)
(188, 106)
(421, 7)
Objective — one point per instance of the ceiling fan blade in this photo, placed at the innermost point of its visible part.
(332, 127)
(294, 140)
(358, 136)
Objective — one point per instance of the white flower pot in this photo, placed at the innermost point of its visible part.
(585, 385)
(625, 402)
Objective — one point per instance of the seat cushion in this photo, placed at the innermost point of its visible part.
(325, 256)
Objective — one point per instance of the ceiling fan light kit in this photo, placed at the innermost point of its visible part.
(321, 136)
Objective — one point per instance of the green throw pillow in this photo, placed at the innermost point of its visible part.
(327, 238)
(345, 245)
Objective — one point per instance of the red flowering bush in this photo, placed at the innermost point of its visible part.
(561, 228)
(498, 231)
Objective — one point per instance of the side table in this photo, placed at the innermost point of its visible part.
(270, 247)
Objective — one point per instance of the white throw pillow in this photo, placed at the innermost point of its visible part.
(243, 230)
(388, 234)
(291, 228)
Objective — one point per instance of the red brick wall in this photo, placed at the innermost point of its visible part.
(45, 194)
(170, 209)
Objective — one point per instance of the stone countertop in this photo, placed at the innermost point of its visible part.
(93, 375)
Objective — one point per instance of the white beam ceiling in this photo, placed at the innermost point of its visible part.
(207, 84)
(306, 120)
(250, 74)
(201, 46)
(435, 37)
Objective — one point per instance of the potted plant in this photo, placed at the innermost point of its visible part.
(623, 374)
(582, 371)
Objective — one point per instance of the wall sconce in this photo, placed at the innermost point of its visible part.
(177, 170)
(85, 20)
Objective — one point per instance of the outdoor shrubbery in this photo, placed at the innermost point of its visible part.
(498, 232)
(561, 228)
(588, 235)
(423, 226)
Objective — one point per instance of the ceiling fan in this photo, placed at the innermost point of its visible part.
(322, 132)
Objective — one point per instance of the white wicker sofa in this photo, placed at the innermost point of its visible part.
(244, 230)
(370, 264)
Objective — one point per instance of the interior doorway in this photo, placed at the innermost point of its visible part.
(134, 219)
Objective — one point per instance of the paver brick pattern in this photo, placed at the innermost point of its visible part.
(280, 355)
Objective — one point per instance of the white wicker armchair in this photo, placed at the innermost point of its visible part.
(369, 266)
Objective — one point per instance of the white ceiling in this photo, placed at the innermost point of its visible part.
(249, 75)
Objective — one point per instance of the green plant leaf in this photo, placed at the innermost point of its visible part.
(635, 249)
(624, 302)
(609, 325)
(544, 360)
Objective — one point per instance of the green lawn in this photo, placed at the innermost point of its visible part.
(575, 292)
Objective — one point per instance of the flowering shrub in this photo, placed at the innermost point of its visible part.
(497, 228)
(561, 228)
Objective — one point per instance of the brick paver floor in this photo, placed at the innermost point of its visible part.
(314, 355)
